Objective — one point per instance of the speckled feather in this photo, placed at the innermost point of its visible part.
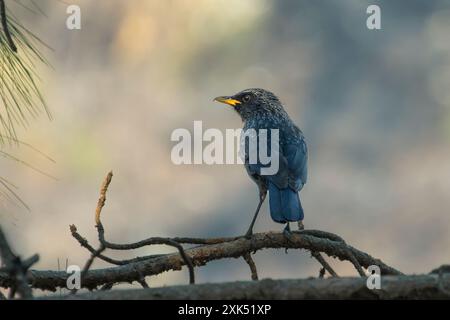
(265, 111)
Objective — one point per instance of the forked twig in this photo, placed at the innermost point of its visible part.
(104, 244)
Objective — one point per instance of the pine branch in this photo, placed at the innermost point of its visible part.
(20, 95)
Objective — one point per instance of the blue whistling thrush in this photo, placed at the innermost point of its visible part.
(261, 109)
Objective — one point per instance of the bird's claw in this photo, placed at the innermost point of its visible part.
(288, 234)
(248, 235)
(301, 228)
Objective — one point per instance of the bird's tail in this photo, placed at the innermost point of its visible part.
(284, 204)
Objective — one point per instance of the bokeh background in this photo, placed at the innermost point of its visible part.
(374, 106)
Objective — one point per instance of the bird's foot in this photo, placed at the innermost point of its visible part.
(249, 234)
(301, 227)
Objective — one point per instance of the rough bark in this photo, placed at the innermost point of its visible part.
(392, 287)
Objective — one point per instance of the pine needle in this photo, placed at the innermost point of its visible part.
(21, 97)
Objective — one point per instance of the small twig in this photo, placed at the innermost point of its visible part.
(143, 283)
(102, 199)
(109, 245)
(355, 263)
(105, 244)
(321, 273)
(88, 263)
(85, 244)
(333, 237)
(251, 263)
(324, 263)
(158, 240)
(98, 210)
(5, 26)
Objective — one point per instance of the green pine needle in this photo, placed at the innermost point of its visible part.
(20, 95)
(21, 98)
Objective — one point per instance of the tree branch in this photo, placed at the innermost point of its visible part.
(392, 287)
(136, 269)
(201, 255)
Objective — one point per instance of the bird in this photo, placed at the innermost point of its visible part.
(261, 109)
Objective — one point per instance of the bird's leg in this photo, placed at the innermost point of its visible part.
(287, 229)
(301, 226)
(262, 197)
(287, 232)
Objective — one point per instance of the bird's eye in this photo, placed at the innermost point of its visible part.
(246, 98)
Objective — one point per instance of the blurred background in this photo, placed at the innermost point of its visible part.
(374, 106)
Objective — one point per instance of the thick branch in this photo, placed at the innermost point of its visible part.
(392, 287)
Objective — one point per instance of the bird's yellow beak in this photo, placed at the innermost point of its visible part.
(227, 100)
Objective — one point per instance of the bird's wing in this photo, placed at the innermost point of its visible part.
(281, 177)
(297, 160)
(292, 161)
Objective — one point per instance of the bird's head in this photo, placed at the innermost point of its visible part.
(251, 102)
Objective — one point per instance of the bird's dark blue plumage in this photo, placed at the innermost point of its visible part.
(261, 109)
